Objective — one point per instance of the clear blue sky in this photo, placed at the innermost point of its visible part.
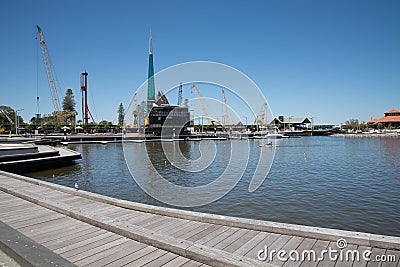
(333, 60)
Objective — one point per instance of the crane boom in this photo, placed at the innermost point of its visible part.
(8, 118)
(225, 107)
(49, 70)
(203, 108)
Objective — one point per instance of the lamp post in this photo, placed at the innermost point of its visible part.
(246, 122)
(17, 120)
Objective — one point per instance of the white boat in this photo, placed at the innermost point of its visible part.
(274, 136)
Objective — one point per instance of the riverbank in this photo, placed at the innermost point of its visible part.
(368, 135)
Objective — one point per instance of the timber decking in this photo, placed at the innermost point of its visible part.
(91, 230)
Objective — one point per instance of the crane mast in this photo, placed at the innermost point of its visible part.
(225, 107)
(49, 70)
(180, 95)
(203, 108)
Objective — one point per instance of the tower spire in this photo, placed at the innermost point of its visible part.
(151, 44)
(151, 94)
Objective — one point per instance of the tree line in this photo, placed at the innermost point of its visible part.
(56, 120)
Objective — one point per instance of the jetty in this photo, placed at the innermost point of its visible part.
(44, 224)
(19, 158)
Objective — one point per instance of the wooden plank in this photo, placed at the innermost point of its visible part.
(161, 261)
(249, 245)
(209, 230)
(307, 244)
(84, 245)
(23, 216)
(243, 240)
(48, 227)
(362, 262)
(343, 261)
(156, 220)
(376, 253)
(36, 221)
(81, 245)
(317, 248)
(139, 218)
(177, 262)
(193, 232)
(74, 238)
(118, 252)
(117, 211)
(62, 236)
(149, 257)
(49, 230)
(184, 230)
(132, 257)
(174, 224)
(79, 258)
(392, 262)
(191, 263)
(230, 239)
(187, 225)
(292, 244)
(268, 241)
(212, 242)
(64, 240)
(212, 235)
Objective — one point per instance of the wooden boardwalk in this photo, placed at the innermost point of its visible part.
(87, 229)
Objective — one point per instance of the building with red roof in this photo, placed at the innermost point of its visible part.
(391, 119)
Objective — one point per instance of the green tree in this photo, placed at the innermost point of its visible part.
(121, 114)
(28, 128)
(69, 101)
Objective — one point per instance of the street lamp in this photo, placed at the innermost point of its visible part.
(17, 121)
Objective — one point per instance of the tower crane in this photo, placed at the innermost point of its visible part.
(133, 121)
(49, 71)
(8, 118)
(180, 95)
(225, 107)
(203, 108)
(259, 121)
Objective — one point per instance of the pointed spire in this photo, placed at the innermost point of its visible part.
(151, 44)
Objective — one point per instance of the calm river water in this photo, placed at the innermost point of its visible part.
(350, 184)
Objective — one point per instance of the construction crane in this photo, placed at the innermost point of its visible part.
(8, 118)
(133, 121)
(203, 108)
(85, 108)
(180, 95)
(49, 71)
(225, 107)
(259, 121)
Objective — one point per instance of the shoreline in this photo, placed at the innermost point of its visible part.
(367, 135)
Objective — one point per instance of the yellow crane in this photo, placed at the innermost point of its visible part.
(203, 108)
(261, 115)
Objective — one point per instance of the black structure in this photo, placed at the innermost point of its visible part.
(168, 121)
